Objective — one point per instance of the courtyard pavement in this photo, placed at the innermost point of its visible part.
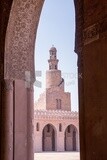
(57, 156)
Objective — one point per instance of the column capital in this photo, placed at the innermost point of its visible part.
(8, 84)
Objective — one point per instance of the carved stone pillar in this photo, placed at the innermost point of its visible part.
(30, 121)
(7, 117)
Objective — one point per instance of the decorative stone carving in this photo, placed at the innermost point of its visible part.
(95, 32)
(91, 34)
(55, 114)
(20, 38)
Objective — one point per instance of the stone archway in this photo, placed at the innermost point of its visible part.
(21, 18)
(71, 138)
(48, 138)
(18, 33)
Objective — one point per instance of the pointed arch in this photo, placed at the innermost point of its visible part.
(71, 138)
(49, 138)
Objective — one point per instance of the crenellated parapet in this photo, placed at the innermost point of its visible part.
(55, 114)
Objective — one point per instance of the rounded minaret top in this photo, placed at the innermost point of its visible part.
(53, 49)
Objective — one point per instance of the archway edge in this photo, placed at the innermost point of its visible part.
(72, 126)
(21, 34)
(71, 142)
(20, 39)
(50, 125)
(53, 138)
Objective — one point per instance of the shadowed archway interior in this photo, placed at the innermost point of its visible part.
(48, 138)
(71, 138)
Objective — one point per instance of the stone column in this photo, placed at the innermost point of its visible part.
(60, 142)
(30, 122)
(38, 141)
(77, 141)
(7, 116)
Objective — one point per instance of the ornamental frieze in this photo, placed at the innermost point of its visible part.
(95, 32)
(20, 38)
(91, 34)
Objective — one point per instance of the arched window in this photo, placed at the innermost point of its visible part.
(60, 127)
(37, 126)
(49, 67)
(55, 66)
(58, 103)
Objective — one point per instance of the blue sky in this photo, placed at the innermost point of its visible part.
(57, 27)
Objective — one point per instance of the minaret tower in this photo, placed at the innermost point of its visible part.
(53, 75)
(53, 61)
(54, 97)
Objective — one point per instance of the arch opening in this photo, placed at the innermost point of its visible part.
(71, 138)
(21, 72)
(61, 88)
(48, 138)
